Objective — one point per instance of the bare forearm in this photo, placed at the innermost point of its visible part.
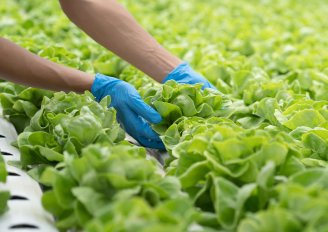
(111, 25)
(20, 66)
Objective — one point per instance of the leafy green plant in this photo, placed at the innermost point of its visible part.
(4, 195)
(175, 100)
(101, 180)
(300, 205)
(19, 104)
(67, 122)
(135, 214)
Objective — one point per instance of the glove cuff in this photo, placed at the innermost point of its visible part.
(103, 85)
(177, 72)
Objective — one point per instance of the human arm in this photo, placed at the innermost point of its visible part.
(21, 66)
(111, 25)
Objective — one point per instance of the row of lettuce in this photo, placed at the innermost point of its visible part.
(93, 178)
(258, 167)
(221, 174)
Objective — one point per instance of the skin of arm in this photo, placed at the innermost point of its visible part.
(21, 66)
(111, 25)
(108, 23)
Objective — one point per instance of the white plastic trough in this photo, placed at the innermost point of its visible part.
(25, 212)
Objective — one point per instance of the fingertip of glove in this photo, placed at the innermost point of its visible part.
(155, 144)
(159, 146)
(152, 115)
(149, 133)
(156, 118)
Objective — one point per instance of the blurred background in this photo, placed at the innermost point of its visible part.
(218, 37)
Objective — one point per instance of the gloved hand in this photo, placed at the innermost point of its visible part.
(184, 74)
(132, 112)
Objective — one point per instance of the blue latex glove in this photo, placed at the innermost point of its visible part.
(184, 74)
(132, 112)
